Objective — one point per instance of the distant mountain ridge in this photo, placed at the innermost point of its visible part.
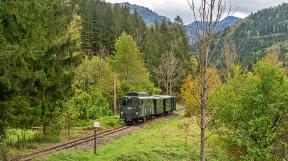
(149, 16)
(220, 26)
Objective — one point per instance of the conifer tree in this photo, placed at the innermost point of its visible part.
(40, 48)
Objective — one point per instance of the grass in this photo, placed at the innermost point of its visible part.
(160, 140)
(13, 134)
(106, 122)
(34, 139)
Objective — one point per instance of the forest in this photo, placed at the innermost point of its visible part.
(66, 63)
(257, 33)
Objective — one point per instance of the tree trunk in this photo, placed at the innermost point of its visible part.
(203, 94)
(44, 129)
(203, 121)
(167, 89)
(170, 89)
(115, 97)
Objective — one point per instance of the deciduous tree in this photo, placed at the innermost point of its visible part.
(128, 63)
(209, 12)
(253, 111)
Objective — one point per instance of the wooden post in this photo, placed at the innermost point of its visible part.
(95, 136)
(96, 125)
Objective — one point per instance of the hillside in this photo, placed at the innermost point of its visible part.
(258, 32)
(149, 16)
(220, 27)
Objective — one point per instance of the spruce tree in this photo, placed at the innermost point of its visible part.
(39, 51)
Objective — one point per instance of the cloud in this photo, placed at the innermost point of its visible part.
(171, 8)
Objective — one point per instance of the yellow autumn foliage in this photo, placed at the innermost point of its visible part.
(190, 91)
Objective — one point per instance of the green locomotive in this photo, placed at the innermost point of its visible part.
(139, 106)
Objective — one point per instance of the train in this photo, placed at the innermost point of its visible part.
(138, 107)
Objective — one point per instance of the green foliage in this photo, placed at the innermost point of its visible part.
(91, 106)
(47, 139)
(3, 150)
(129, 65)
(100, 108)
(83, 103)
(108, 122)
(40, 50)
(93, 83)
(257, 32)
(94, 74)
(12, 134)
(162, 39)
(103, 23)
(252, 110)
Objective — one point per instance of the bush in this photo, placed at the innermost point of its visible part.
(83, 123)
(13, 133)
(47, 138)
(100, 108)
(106, 122)
(83, 103)
(252, 107)
(110, 121)
(3, 150)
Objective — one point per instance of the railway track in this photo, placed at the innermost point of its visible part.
(74, 143)
(68, 145)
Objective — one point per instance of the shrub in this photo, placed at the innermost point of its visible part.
(252, 107)
(110, 121)
(100, 108)
(3, 149)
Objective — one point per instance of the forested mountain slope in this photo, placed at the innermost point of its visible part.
(103, 22)
(220, 27)
(254, 35)
(149, 16)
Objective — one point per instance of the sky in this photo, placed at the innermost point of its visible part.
(171, 8)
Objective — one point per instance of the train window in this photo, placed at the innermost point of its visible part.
(124, 102)
(136, 102)
(129, 102)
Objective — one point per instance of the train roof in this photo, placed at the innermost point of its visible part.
(147, 97)
(140, 97)
(139, 94)
(163, 96)
(151, 97)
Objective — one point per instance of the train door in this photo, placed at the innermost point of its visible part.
(164, 105)
(155, 106)
(142, 106)
(173, 103)
(168, 104)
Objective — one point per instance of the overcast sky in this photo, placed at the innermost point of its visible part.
(171, 8)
